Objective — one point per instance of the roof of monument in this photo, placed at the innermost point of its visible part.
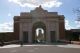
(39, 12)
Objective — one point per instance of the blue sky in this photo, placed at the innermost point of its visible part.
(11, 8)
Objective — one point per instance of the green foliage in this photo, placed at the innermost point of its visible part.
(5, 37)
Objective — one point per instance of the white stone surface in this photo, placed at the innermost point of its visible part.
(63, 46)
(69, 46)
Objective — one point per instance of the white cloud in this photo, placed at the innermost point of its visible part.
(53, 3)
(6, 27)
(77, 24)
(67, 25)
(35, 3)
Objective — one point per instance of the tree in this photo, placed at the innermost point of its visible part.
(77, 12)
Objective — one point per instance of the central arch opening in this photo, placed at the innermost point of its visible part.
(39, 33)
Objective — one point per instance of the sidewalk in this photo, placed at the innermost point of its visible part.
(69, 46)
(64, 46)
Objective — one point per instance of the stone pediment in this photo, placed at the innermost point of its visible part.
(39, 10)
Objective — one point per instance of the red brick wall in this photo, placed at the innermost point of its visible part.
(16, 27)
(62, 29)
(16, 31)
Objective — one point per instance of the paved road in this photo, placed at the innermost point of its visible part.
(39, 49)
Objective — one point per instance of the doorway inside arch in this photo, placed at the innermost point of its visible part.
(39, 33)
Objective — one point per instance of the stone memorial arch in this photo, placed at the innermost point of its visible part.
(26, 24)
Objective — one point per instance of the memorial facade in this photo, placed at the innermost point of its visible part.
(39, 26)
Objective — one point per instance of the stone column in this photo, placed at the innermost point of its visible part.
(49, 39)
(48, 36)
(57, 31)
(21, 33)
(30, 36)
(30, 33)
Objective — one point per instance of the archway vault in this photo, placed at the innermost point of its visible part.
(35, 26)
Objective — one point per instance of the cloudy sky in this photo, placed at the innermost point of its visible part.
(10, 8)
